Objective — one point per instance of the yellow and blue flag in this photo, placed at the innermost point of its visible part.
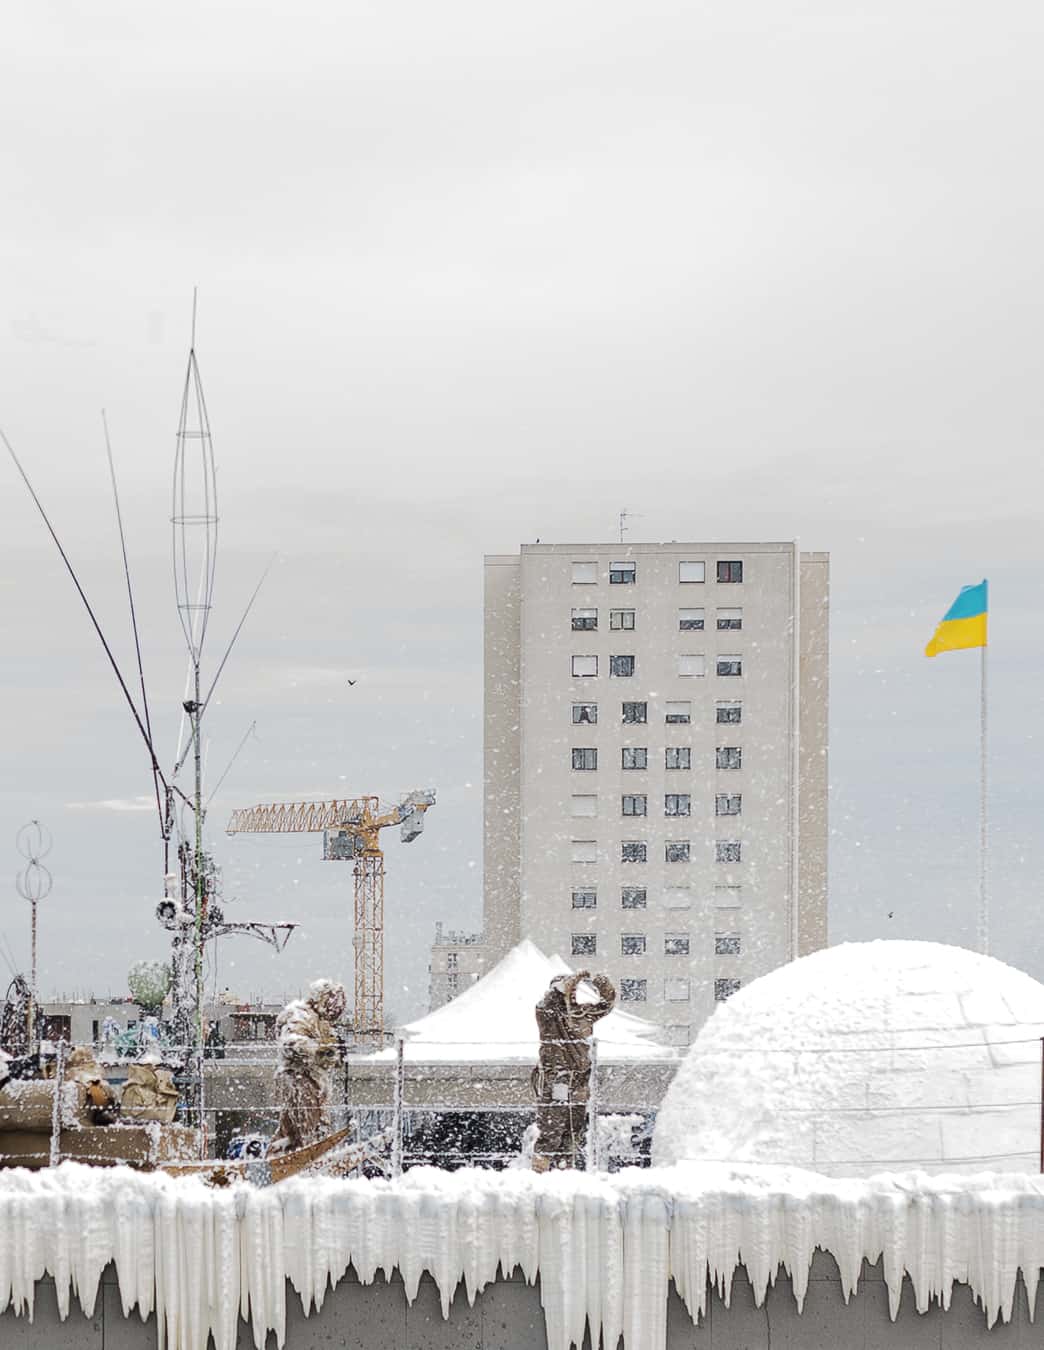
(964, 623)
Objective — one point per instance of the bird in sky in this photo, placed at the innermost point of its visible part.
(351, 682)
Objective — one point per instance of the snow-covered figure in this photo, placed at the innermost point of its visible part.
(309, 1050)
(562, 1077)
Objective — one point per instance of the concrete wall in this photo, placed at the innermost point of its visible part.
(508, 1316)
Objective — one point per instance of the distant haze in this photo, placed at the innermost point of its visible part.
(474, 275)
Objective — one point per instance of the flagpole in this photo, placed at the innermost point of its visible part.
(984, 907)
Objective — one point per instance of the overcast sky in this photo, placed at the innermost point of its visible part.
(475, 274)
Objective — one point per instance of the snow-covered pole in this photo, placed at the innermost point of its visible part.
(400, 1075)
(56, 1105)
(592, 1160)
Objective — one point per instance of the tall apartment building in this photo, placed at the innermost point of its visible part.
(656, 764)
(458, 959)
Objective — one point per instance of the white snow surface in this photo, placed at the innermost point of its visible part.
(494, 1020)
(604, 1247)
(864, 1058)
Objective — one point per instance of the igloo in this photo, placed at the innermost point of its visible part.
(865, 1058)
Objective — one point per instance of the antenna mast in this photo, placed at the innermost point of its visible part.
(195, 529)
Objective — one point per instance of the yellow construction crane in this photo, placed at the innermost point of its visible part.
(351, 832)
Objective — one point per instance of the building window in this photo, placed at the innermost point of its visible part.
(622, 573)
(634, 713)
(730, 620)
(632, 944)
(634, 757)
(584, 805)
(727, 850)
(585, 757)
(727, 897)
(695, 664)
(678, 757)
(676, 991)
(675, 944)
(730, 665)
(729, 757)
(452, 983)
(633, 850)
(724, 989)
(690, 620)
(621, 665)
(726, 944)
(585, 713)
(677, 897)
(677, 804)
(678, 712)
(584, 944)
(677, 1034)
(731, 713)
(692, 572)
(728, 804)
(730, 571)
(585, 573)
(633, 804)
(451, 960)
(632, 897)
(633, 991)
(584, 851)
(584, 665)
(621, 620)
(676, 850)
(585, 897)
(585, 620)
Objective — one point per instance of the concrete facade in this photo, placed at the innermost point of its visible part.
(508, 1316)
(614, 842)
(457, 961)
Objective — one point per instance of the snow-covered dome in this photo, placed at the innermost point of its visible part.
(864, 1058)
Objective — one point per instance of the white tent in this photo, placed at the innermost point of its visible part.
(493, 1021)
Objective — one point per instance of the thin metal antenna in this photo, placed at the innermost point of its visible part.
(87, 605)
(228, 652)
(195, 293)
(133, 617)
(228, 768)
(625, 516)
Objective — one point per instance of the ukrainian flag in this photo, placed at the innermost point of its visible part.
(963, 624)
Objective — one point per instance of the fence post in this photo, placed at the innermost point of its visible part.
(592, 1160)
(396, 1157)
(56, 1105)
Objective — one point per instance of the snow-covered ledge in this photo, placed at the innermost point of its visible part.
(603, 1247)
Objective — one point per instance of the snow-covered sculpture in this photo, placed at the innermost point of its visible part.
(562, 1077)
(309, 1050)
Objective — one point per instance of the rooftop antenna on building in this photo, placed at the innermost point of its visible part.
(625, 516)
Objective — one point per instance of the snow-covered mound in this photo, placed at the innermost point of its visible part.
(494, 1020)
(864, 1058)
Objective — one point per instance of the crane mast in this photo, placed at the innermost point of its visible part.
(351, 830)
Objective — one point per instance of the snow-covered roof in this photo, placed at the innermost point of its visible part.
(494, 1021)
(865, 1058)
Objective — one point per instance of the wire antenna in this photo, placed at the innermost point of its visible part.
(87, 605)
(134, 621)
(194, 514)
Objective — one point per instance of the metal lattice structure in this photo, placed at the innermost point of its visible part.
(352, 830)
